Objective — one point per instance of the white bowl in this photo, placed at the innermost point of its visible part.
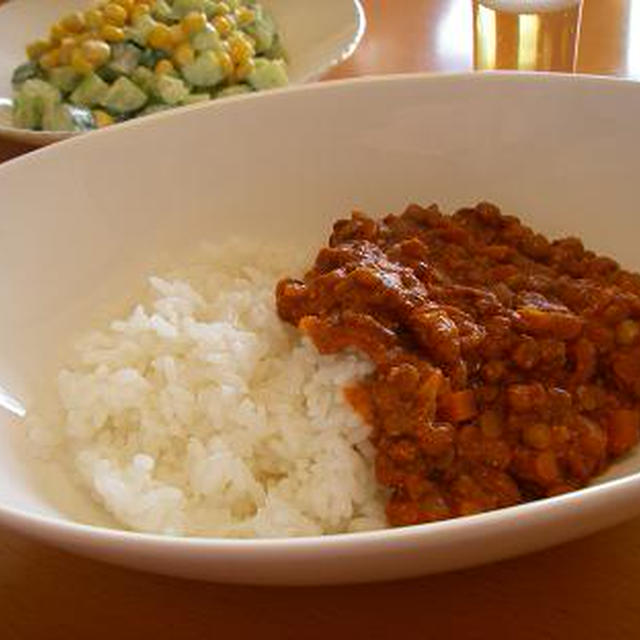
(316, 36)
(84, 219)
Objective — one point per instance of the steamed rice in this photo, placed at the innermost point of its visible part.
(201, 413)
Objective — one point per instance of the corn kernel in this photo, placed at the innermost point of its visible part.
(66, 47)
(115, 14)
(178, 36)
(183, 54)
(193, 22)
(111, 33)
(93, 18)
(56, 33)
(139, 10)
(50, 59)
(79, 63)
(243, 70)
(240, 50)
(160, 37)
(97, 52)
(102, 118)
(222, 8)
(127, 5)
(164, 66)
(74, 22)
(222, 25)
(244, 16)
(37, 48)
(225, 63)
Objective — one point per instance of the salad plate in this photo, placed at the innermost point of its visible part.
(315, 36)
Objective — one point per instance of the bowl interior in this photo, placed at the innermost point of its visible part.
(85, 221)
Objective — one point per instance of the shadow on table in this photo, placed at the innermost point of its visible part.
(585, 589)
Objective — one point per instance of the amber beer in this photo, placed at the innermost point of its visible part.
(530, 35)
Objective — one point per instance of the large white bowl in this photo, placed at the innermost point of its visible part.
(316, 36)
(82, 222)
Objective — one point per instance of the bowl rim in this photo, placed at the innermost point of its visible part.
(548, 509)
(151, 120)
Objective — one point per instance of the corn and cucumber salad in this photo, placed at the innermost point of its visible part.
(126, 58)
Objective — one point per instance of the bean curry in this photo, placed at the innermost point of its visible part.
(507, 366)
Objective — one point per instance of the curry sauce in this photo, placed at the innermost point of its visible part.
(507, 366)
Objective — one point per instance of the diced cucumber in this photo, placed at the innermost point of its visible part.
(64, 78)
(64, 117)
(47, 92)
(90, 92)
(193, 98)
(276, 50)
(150, 57)
(163, 11)
(262, 30)
(209, 8)
(124, 58)
(144, 78)
(234, 90)
(124, 97)
(268, 74)
(207, 39)
(25, 72)
(57, 118)
(30, 102)
(27, 112)
(170, 90)
(139, 31)
(107, 73)
(204, 71)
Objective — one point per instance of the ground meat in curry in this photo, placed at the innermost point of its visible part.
(507, 366)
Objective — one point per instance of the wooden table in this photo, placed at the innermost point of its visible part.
(586, 589)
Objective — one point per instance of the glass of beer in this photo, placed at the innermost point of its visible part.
(529, 35)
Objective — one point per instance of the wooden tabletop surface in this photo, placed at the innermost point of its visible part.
(585, 589)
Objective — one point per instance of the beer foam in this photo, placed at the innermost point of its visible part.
(529, 6)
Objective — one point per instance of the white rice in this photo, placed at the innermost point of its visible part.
(201, 413)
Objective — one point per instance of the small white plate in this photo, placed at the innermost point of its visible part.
(85, 220)
(316, 36)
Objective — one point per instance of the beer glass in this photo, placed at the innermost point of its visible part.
(529, 35)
